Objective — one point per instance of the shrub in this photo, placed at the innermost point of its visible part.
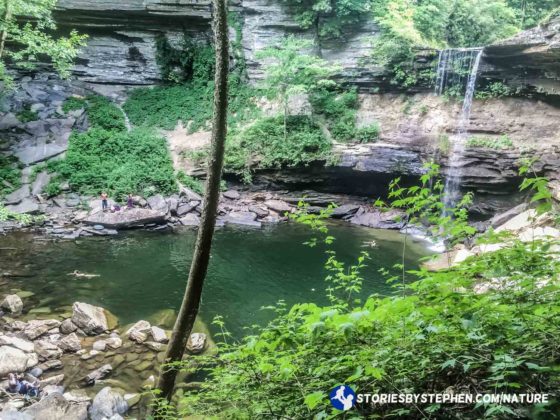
(262, 145)
(368, 134)
(191, 182)
(102, 113)
(10, 173)
(504, 142)
(26, 115)
(73, 104)
(494, 90)
(117, 162)
(339, 110)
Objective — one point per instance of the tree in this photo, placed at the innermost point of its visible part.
(26, 25)
(191, 300)
(291, 71)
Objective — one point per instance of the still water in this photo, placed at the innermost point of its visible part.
(141, 273)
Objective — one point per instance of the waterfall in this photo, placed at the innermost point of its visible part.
(457, 69)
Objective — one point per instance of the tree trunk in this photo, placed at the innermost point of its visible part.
(6, 19)
(191, 300)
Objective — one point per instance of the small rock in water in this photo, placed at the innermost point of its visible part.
(196, 343)
(12, 304)
(100, 345)
(98, 374)
(98, 227)
(77, 396)
(52, 380)
(152, 345)
(89, 355)
(50, 365)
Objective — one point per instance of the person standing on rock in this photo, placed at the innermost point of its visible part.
(104, 204)
(129, 202)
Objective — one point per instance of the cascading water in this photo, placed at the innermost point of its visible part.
(126, 120)
(457, 69)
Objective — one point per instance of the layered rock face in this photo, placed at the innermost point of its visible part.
(530, 60)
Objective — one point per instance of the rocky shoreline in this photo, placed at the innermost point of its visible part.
(85, 365)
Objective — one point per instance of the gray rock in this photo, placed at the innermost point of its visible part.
(106, 404)
(152, 345)
(37, 327)
(77, 396)
(26, 206)
(196, 343)
(40, 182)
(56, 407)
(259, 211)
(91, 319)
(67, 326)
(232, 195)
(502, 218)
(70, 343)
(392, 219)
(190, 220)
(47, 350)
(186, 208)
(158, 203)
(345, 210)
(98, 374)
(52, 380)
(159, 335)
(12, 304)
(18, 343)
(9, 121)
(52, 364)
(18, 195)
(173, 204)
(52, 389)
(139, 331)
(125, 219)
(40, 153)
(11, 413)
(278, 206)
(244, 218)
(15, 360)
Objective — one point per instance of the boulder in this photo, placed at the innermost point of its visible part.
(26, 206)
(98, 374)
(232, 195)
(260, 211)
(18, 343)
(243, 218)
(139, 331)
(55, 407)
(186, 208)
(47, 350)
(12, 304)
(158, 203)
(173, 204)
(77, 396)
(152, 345)
(190, 220)
(278, 206)
(37, 327)
(15, 360)
(70, 343)
(196, 343)
(159, 335)
(18, 195)
(106, 404)
(52, 364)
(126, 219)
(52, 380)
(114, 342)
(344, 211)
(67, 326)
(40, 183)
(91, 319)
(501, 218)
(11, 413)
(392, 219)
(39, 153)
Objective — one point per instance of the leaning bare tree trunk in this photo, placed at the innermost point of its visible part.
(191, 300)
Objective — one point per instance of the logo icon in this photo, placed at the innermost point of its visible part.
(342, 397)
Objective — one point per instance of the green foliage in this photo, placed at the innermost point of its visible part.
(502, 143)
(102, 113)
(494, 90)
(329, 17)
(10, 174)
(73, 104)
(191, 182)
(438, 335)
(191, 60)
(26, 115)
(289, 70)
(117, 162)
(24, 219)
(191, 103)
(339, 109)
(542, 196)
(368, 133)
(531, 13)
(265, 145)
(33, 40)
